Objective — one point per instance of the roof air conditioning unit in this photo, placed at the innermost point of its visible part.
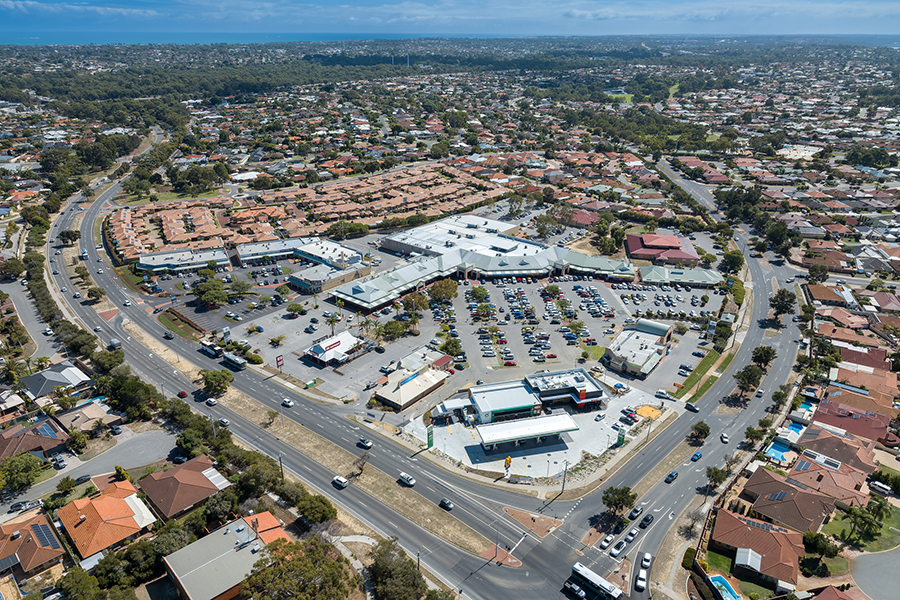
(16, 535)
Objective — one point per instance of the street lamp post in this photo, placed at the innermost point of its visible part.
(565, 473)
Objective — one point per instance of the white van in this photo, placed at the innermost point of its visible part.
(662, 394)
(880, 488)
(340, 482)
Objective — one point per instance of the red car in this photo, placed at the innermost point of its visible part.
(509, 363)
(551, 356)
(451, 371)
(182, 394)
(501, 341)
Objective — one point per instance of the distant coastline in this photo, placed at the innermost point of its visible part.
(81, 38)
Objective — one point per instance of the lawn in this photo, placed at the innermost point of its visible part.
(699, 371)
(890, 471)
(184, 331)
(703, 388)
(887, 538)
(718, 562)
(626, 98)
(726, 362)
(596, 352)
(748, 588)
(166, 196)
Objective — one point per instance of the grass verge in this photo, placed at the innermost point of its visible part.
(726, 362)
(699, 371)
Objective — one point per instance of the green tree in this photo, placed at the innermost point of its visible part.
(817, 274)
(20, 471)
(394, 575)
(764, 355)
(191, 441)
(700, 430)
(77, 584)
(310, 568)
(783, 302)
(332, 320)
(240, 288)
(820, 545)
(479, 294)
(732, 260)
(317, 509)
(552, 289)
(451, 347)
(65, 485)
(216, 382)
(415, 303)
(618, 499)
(294, 309)
(879, 507)
(107, 360)
(70, 236)
(748, 378)
(861, 521)
(753, 435)
(715, 476)
(445, 289)
(12, 267)
(283, 290)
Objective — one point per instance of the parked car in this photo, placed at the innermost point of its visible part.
(116, 430)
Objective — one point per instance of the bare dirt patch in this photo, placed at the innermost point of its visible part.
(539, 525)
(586, 246)
(621, 575)
(728, 409)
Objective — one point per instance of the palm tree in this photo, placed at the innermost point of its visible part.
(27, 360)
(42, 362)
(340, 305)
(316, 300)
(102, 385)
(860, 520)
(378, 332)
(879, 508)
(11, 370)
(332, 320)
(365, 324)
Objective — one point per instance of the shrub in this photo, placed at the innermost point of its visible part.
(687, 561)
(255, 359)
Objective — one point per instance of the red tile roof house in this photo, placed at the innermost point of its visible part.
(28, 545)
(183, 488)
(760, 549)
(867, 425)
(105, 520)
(664, 249)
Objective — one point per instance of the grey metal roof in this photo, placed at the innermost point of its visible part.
(217, 562)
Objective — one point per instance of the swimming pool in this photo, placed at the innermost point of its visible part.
(795, 427)
(777, 449)
(724, 589)
(806, 405)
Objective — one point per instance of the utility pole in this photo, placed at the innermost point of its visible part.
(281, 464)
(565, 473)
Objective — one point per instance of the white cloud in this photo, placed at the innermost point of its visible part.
(31, 6)
(713, 10)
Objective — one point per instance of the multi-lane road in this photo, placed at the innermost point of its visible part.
(545, 563)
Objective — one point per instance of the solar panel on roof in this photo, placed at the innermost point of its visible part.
(44, 536)
(45, 430)
(777, 496)
(803, 465)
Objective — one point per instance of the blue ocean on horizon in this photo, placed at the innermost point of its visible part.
(74, 38)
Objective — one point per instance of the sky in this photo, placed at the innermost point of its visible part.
(451, 17)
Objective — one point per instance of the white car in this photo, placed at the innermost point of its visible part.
(640, 584)
(607, 541)
(127, 303)
(724, 438)
(100, 271)
(407, 479)
(645, 562)
(631, 535)
(287, 402)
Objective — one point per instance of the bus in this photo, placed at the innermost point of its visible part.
(594, 582)
(211, 349)
(235, 362)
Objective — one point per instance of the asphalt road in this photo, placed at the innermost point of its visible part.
(47, 345)
(545, 563)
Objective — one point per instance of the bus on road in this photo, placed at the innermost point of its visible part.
(211, 349)
(234, 361)
(591, 581)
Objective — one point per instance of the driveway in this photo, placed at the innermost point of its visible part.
(140, 449)
(876, 575)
